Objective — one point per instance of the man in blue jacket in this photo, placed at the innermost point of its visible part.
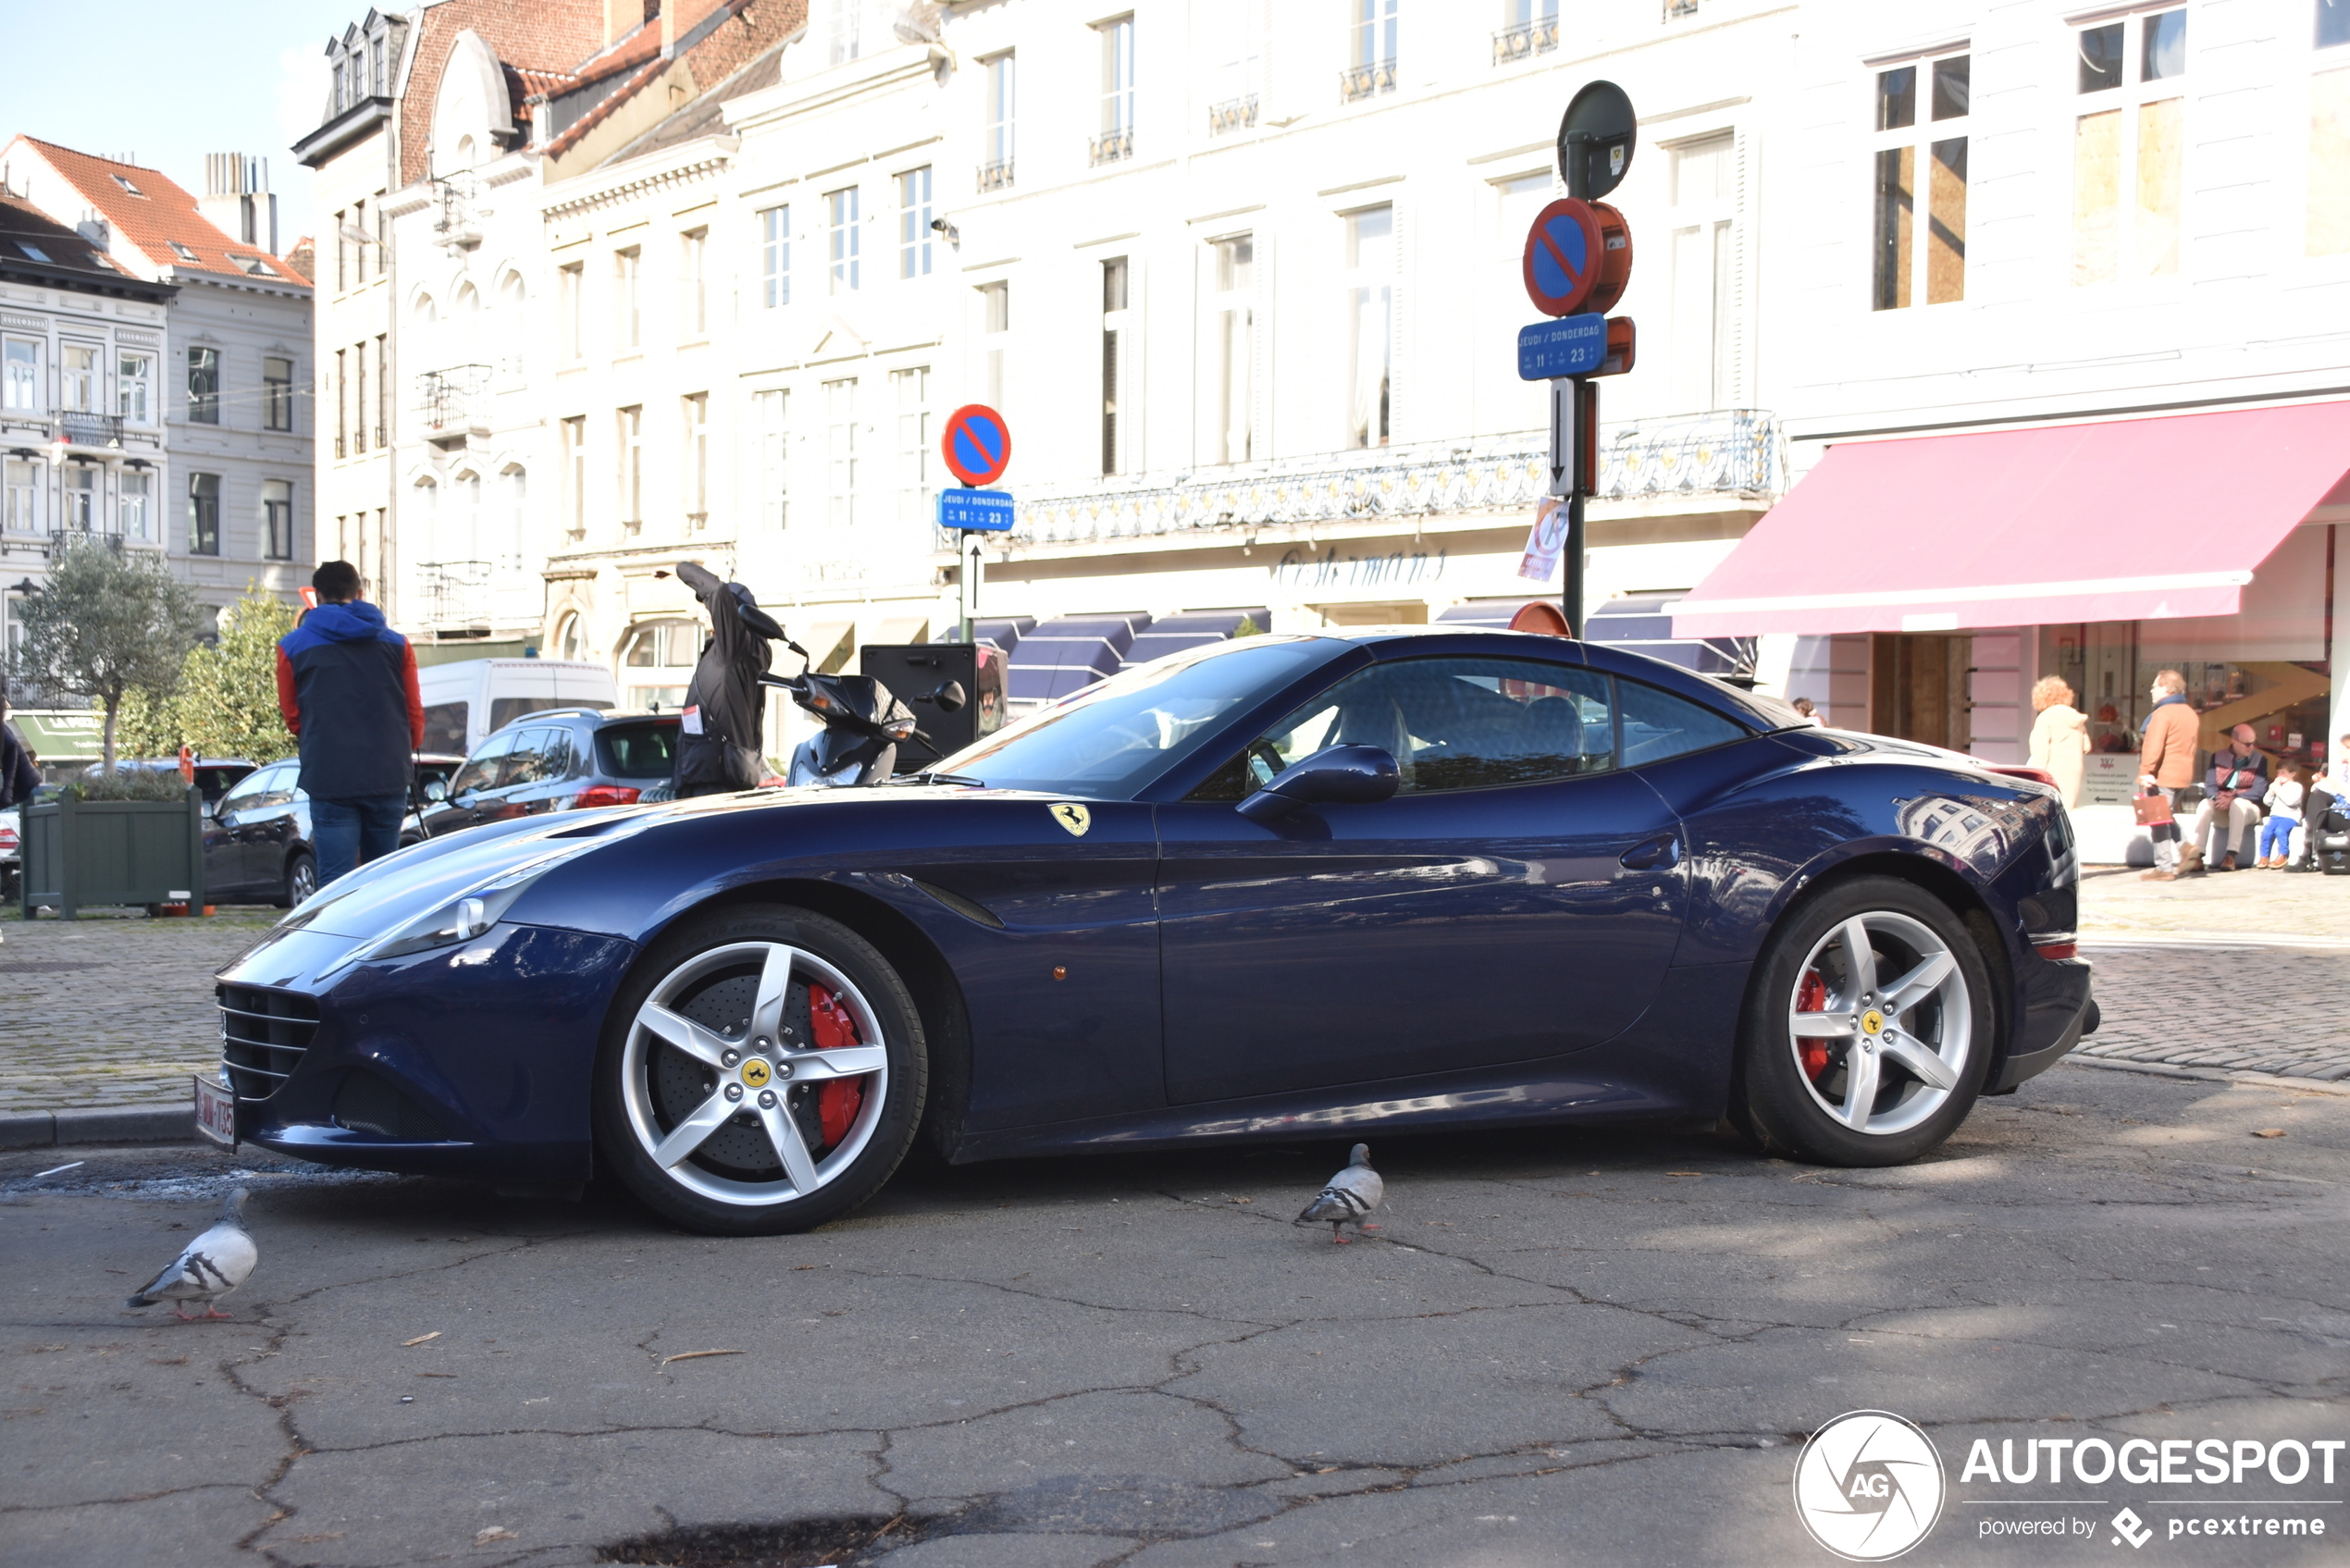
(347, 686)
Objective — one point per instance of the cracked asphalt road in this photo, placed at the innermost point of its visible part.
(1570, 1348)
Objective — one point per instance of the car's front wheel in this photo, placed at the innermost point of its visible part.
(763, 1073)
(301, 881)
(1868, 1027)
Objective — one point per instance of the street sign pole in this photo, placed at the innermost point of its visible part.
(975, 549)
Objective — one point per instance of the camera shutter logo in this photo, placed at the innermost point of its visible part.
(1869, 1485)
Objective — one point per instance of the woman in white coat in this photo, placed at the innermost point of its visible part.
(2060, 736)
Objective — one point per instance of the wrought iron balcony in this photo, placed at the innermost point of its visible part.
(1356, 82)
(1232, 113)
(1526, 39)
(1723, 452)
(455, 226)
(454, 404)
(996, 176)
(455, 593)
(1111, 146)
(82, 427)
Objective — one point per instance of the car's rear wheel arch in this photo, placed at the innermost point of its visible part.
(1955, 893)
(938, 998)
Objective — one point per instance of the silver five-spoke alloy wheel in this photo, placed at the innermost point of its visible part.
(724, 1083)
(1881, 1023)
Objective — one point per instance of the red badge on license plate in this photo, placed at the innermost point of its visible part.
(215, 1112)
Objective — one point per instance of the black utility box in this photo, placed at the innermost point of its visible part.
(916, 670)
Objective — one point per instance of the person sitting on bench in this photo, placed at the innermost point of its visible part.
(2232, 792)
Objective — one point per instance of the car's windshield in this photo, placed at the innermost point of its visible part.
(1115, 737)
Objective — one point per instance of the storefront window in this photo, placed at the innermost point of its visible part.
(659, 664)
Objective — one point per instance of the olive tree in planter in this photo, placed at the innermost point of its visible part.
(107, 623)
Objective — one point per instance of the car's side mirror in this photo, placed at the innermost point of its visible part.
(948, 696)
(436, 791)
(1336, 776)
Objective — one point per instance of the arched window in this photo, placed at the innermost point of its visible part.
(571, 637)
(657, 663)
(515, 540)
(466, 155)
(466, 543)
(511, 337)
(426, 312)
(468, 299)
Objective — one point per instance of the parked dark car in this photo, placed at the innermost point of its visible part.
(1350, 884)
(564, 759)
(256, 843)
(215, 775)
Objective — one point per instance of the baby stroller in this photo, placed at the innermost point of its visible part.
(2327, 841)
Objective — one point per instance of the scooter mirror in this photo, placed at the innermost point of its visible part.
(948, 696)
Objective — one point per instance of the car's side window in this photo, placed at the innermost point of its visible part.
(1657, 725)
(526, 763)
(1449, 723)
(559, 758)
(480, 770)
(246, 793)
(279, 789)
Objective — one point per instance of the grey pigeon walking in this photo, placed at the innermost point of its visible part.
(213, 1265)
(1349, 1199)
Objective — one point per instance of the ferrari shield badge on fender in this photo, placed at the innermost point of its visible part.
(1072, 816)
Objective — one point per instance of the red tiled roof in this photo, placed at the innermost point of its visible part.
(159, 215)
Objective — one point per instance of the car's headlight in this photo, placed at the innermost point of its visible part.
(468, 914)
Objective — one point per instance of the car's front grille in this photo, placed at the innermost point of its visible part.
(262, 1036)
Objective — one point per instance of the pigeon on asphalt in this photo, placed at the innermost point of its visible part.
(213, 1265)
(1349, 1199)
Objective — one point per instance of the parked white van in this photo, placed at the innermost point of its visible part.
(466, 701)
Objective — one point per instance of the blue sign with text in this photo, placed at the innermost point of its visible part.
(1572, 345)
(979, 510)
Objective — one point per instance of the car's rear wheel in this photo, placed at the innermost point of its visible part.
(763, 1072)
(1868, 1028)
(301, 881)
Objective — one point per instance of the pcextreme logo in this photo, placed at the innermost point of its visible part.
(1868, 1486)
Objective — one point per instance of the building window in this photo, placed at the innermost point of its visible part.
(1233, 349)
(2129, 147)
(696, 433)
(1370, 50)
(132, 516)
(359, 250)
(1370, 319)
(658, 663)
(995, 327)
(772, 410)
(21, 375)
(1698, 337)
(840, 452)
(276, 520)
(575, 476)
(78, 499)
(1237, 32)
(359, 394)
(204, 385)
(2330, 133)
(913, 223)
(841, 241)
(342, 402)
(1528, 27)
(1114, 319)
(514, 482)
(571, 297)
(1003, 89)
(1918, 249)
(134, 386)
(632, 468)
(342, 248)
(696, 305)
(277, 394)
(774, 257)
(203, 514)
(383, 388)
(78, 377)
(21, 479)
(1116, 138)
(842, 30)
(628, 321)
(910, 395)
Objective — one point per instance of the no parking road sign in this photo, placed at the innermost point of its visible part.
(977, 444)
(1562, 252)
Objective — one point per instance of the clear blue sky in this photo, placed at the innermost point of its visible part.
(168, 83)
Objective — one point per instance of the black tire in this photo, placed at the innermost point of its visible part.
(736, 1182)
(1789, 1102)
(301, 881)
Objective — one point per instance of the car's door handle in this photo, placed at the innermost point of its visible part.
(1650, 853)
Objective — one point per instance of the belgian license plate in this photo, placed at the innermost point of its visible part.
(215, 1112)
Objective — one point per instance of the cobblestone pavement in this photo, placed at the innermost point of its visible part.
(2219, 971)
(112, 1013)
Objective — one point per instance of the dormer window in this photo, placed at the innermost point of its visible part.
(99, 258)
(31, 249)
(125, 184)
(252, 265)
(180, 251)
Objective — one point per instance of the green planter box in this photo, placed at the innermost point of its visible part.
(83, 852)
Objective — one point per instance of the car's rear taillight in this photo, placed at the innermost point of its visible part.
(8, 838)
(605, 794)
(2059, 948)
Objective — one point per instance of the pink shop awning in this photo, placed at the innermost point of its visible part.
(2136, 519)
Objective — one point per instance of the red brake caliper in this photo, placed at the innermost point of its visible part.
(838, 1099)
(1811, 996)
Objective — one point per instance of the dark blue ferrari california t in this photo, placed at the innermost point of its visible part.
(1283, 886)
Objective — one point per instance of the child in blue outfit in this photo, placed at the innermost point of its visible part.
(2283, 801)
